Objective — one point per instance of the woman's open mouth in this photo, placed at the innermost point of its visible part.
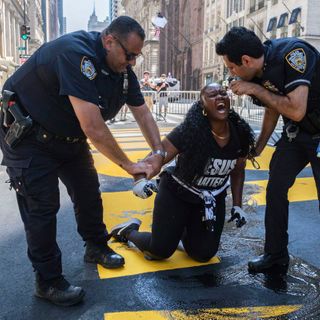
(221, 107)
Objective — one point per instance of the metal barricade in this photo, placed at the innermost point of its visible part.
(170, 102)
(179, 102)
(251, 112)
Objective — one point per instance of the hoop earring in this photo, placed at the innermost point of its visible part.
(204, 112)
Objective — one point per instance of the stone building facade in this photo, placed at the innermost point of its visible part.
(267, 18)
(181, 43)
(11, 18)
(143, 11)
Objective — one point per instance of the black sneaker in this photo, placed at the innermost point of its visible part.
(120, 231)
(58, 291)
(102, 254)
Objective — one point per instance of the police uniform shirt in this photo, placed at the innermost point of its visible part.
(289, 63)
(220, 163)
(75, 65)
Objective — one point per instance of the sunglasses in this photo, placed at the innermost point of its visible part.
(129, 55)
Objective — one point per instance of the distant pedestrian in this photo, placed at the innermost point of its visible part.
(147, 86)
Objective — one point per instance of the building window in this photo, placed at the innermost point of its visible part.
(272, 24)
(283, 25)
(252, 5)
(274, 2)
(260, 4)
(295, 15)
(283, 20)
(295, 19)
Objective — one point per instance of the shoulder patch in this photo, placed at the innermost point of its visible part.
(87, 68)
(297, 60)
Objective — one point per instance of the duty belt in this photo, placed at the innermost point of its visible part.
(45, 136)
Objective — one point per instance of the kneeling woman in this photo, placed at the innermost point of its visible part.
(211, 145)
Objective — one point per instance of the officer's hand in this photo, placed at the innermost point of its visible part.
(238, 215)
(240, 87)
(144, 188)
(156, 162)
(139, 168)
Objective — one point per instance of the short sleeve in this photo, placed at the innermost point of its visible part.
(135, 97)
(76, 74)
(176, 138)
(300, 63)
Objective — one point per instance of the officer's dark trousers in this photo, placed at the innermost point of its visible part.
(34, 168)
(288, 160)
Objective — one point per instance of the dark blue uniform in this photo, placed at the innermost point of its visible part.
(73, 65)
(290, 63)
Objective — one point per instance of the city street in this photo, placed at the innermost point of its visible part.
(178, 288)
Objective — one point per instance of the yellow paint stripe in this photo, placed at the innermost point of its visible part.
(263, 160)
(207, 314)
(137, 264)
(304, 189)
(122, 206)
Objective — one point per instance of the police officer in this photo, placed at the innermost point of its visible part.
(69, 88)
(283, 75)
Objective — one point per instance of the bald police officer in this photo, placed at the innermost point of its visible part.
(283, 75)
(69, 88)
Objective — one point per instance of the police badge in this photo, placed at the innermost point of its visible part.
(87, 68)
(297, 60)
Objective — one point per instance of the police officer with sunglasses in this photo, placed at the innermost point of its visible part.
(68, 89)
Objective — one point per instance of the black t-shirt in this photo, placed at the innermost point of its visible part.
(219, 164)
(75, 65)
(289, 63)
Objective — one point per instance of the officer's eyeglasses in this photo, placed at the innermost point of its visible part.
(129, 55)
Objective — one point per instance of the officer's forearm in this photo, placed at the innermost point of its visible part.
(237, 177)
(270, 120)
(293, 105)
(103, 140)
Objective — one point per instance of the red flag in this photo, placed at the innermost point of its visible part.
(157, 32)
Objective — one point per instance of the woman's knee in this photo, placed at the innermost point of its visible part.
(202, 256)
(158, 254)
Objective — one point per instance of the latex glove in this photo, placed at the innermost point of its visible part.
(238, 215)
(144, 188)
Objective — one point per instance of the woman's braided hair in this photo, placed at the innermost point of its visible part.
(196, 134)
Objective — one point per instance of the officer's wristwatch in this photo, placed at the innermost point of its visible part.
(161, 153)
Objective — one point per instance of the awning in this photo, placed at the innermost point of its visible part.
(282, 20)
(272, 24)
(294, 15)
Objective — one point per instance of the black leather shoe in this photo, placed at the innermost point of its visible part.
(58, 291)
(277, 263)
(102, 254)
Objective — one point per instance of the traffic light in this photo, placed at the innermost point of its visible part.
(24, 32)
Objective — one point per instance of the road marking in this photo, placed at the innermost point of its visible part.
(206, 314)
(137, 264)
(304, 189)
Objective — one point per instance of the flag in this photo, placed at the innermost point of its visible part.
(157, 32)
